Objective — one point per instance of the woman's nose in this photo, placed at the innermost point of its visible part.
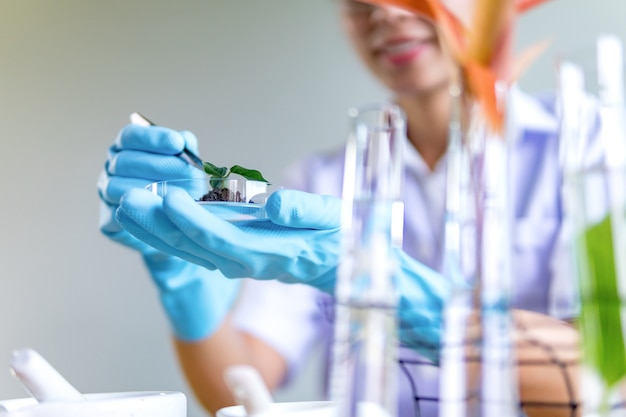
(381, 13)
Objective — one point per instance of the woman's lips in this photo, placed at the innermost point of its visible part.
(400, 53)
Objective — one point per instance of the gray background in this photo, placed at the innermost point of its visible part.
(259, 82)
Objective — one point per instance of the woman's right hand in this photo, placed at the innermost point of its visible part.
(195, 299)
(139, 156)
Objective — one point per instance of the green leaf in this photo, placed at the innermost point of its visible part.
(215, 171)
(216, 182)
(601, 321)
(219, 173)
(249, 174)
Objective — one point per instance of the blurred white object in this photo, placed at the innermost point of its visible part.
(53, 396)
(248, 388)
(302, 409)
(255, 400)
(39, 377)
(123, 404)
(287, 409)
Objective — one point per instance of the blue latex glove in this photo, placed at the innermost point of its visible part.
(422, 298)
(195, 299)
(299, 244)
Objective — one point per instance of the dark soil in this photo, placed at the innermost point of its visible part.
(221, 194)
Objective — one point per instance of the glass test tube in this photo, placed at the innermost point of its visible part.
(478, 377)
(364, 353)
(593, 157)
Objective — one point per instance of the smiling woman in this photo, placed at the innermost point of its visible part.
(73, 70)
(406, 57)
(196, 259)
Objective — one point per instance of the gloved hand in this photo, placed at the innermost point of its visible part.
(300, 243)
(423, 293)
(194, 298)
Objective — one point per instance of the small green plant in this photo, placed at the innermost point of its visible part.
(218, 181)
(218, 174)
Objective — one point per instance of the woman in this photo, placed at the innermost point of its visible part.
(273, 325)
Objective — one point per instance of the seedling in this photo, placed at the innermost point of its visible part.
(219, 173)
(218, 180)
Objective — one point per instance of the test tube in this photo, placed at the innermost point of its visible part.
(364, 357)
(477, 370)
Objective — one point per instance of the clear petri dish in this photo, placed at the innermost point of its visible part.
(231, 199)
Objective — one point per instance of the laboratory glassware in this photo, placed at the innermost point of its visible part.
(593, 157)
(363, 381)
(477, 356)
